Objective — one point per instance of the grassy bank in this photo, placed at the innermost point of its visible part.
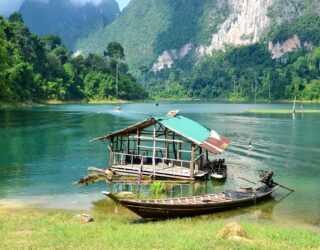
(38, 229)
(279, 111)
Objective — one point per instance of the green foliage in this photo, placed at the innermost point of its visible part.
(239, 73)
(312, 91)
(148, 27)
(34, 68)
(306, 27)
(157, 188)
(16, 17)
(246, 72)
(114, 50)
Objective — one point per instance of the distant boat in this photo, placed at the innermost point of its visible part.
(117, 108)
(197, 205)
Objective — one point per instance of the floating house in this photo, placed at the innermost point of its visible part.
(170, 146)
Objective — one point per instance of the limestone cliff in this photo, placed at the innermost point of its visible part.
(278, 49)
(247, 21)
(158, 33)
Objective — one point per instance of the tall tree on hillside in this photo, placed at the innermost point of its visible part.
(144, 70)
(114, 51)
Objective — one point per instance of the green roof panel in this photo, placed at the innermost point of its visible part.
(185, 127)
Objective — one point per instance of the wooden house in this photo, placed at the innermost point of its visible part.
(170, 146)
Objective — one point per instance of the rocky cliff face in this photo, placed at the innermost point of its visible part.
(166, 60)
(278, 49)
(158, 33)
(248, 20)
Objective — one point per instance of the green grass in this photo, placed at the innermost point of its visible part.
(38, 229)
(279, 111)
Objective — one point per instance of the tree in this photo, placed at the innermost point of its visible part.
(144, 70)
(51, 41)
(115, 51)
(15, 18)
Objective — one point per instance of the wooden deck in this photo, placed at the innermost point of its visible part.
(160, 170)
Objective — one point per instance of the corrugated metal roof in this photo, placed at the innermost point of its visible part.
(206, 138)
(131, 129)
(191, 130)
(185, 127)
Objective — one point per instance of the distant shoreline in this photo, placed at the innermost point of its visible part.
(60, 102)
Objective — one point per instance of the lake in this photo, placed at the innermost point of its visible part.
(46, 149)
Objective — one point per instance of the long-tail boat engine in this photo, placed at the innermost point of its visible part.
(266, 178)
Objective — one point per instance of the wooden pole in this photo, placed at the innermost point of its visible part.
(284, 187)
(111, 152)
(128, 144)
(154, 149)
(201, 160)
(294, 105)
(138, 142)
(179, 151)
(174, 146)
(116, 146)
(192, 162)
(167, 143)
(247, 180)
(255, 90)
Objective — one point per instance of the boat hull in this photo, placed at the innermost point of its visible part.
(158, 210)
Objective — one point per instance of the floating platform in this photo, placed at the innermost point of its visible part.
(164, 171)
(170, 146)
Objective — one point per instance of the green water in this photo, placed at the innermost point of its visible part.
(44, 150)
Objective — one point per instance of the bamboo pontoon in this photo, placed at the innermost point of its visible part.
(171, 146)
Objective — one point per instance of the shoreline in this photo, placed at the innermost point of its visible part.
(84, 203)
(239, 101)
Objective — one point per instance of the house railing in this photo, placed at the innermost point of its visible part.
(160, 163)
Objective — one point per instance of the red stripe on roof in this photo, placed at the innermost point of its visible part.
(225, 139)
(209, 148)
(216, 143)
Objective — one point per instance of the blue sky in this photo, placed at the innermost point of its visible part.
(123, 3)
(9, 6)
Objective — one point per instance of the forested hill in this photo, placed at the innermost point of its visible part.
(68, 19)
(38, 68)
(148, 27)
(283, 66)
(266, 49)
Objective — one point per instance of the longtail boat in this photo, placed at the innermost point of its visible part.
(197, 205)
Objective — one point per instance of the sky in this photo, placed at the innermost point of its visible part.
(122, 3)
(9, 6)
